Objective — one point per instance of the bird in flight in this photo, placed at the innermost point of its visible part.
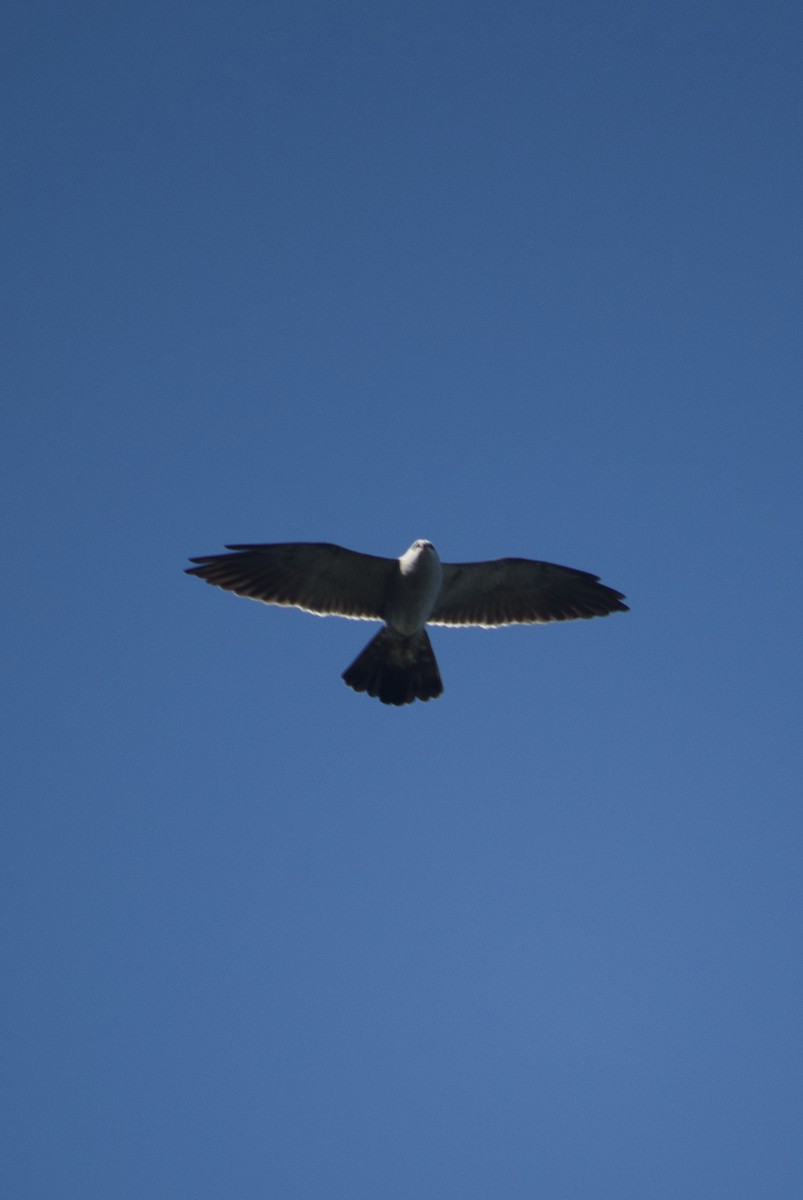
(406, 594)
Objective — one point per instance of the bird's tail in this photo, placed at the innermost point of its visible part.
(396, 669)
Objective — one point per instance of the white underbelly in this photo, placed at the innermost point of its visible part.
(415, 591)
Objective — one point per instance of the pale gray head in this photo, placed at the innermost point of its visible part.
(422, 556)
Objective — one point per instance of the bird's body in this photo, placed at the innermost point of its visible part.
(414, 589)
(406, 593)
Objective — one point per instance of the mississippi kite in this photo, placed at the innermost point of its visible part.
(407, 594)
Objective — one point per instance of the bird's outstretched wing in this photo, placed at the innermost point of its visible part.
(316, 576)
(518, 591)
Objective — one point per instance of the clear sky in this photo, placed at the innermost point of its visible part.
(523, 279)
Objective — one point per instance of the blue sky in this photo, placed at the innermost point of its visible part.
(525, 280)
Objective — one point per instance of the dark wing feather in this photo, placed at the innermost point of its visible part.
(518, 591)
(315, 576)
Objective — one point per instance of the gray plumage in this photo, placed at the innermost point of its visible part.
(406, 593)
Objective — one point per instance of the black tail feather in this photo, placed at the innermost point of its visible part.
(396, 669)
